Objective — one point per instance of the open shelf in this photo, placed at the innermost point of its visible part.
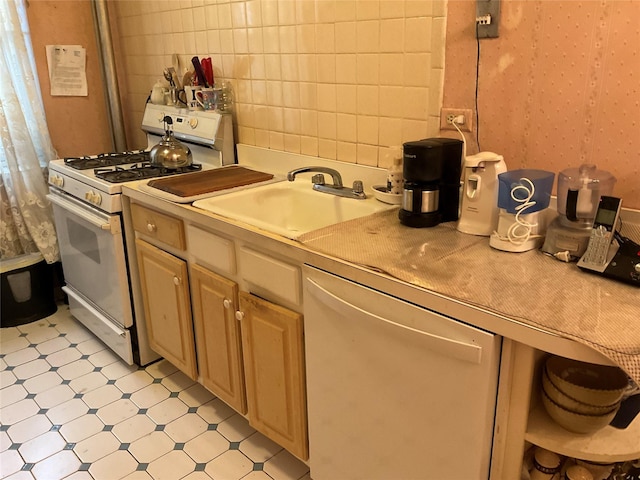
(606, 445)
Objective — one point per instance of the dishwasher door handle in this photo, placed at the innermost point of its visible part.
(449, 347)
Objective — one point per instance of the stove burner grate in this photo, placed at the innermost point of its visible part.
(141, 171)
(107, 159)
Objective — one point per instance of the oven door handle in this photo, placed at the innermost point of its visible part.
(104, 222)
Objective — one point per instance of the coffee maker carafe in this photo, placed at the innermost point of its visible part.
(579, 191)
(431, 170)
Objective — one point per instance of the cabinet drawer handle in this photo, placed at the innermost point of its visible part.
(151, 227)
(239, 315)
(226, 303)
(176, 281)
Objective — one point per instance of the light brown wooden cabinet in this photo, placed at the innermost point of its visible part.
(256, 365)
(167, 306)
(272, 341)
(218, 345)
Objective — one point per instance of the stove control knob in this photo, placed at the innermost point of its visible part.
(56, 180)
(96, 199)
(193, 122)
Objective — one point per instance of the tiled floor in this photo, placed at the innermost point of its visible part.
(69, 408)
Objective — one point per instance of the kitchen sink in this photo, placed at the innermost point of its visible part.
(289, 208)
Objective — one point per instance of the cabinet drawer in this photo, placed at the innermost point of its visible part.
(212, 250)
(160, 226)
(271, 275)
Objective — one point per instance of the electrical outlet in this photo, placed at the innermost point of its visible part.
(487, 18)
(447, 114)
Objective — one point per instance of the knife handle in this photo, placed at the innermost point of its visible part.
(198, 68)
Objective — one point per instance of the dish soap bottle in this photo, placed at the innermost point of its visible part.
(395, 176)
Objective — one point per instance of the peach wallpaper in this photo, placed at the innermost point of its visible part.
(77, 125)
(558, 88)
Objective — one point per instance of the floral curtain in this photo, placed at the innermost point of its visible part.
(26, 217)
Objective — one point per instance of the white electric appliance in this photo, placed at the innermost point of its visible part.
(479, 210)
(394, 391)
(86, 196)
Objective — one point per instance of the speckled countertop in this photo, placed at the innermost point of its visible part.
(530, 287)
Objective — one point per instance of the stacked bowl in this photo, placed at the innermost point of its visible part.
(581, 397)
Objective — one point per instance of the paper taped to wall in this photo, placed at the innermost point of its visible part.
(67, 70)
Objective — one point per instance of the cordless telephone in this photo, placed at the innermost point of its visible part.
(609, 253)
(602, 235)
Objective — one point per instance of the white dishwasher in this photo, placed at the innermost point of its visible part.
(394, 391)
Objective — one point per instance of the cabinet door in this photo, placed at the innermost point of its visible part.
(274, 372)
(165, 294)
(218, 336)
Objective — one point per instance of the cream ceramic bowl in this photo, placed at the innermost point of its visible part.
(576, 422)
(597, 385)
(569, 403)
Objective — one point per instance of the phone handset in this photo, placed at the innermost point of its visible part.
(602, 246)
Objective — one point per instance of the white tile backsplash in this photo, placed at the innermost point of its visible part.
(329, 46)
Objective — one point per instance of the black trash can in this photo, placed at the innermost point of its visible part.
(27, 290)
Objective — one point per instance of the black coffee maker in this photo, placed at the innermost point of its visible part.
(431, 171)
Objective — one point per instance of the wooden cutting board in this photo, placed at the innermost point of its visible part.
(209, 181)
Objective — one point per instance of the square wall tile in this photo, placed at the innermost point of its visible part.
(276, 141)
(369, 100)
(327, 97)
(327, 126)
(288, 39)
(415, 102)
(392, 9)
(368, 69)
(367, 155)
(254, 13)
(346, 152)
(390, 131)
(368, 36)
(347, 98)
(306, 36)
(325, 38)
(327, 69)
(346, 69)
(392, 35)
(346, 127)
(368, 133)
(417, 34)
(309, 146)
(291, 143)
(307, 68)
(346, 35)
(417, 69)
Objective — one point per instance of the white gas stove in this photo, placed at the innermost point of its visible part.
(86, 196)
(98, 179)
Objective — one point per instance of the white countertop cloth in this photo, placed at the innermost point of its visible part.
(529, 287)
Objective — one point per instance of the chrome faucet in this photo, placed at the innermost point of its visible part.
(336, 189)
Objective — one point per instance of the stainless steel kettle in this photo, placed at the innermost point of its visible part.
(170, 152)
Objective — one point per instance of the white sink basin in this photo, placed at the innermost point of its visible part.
(289, 208)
